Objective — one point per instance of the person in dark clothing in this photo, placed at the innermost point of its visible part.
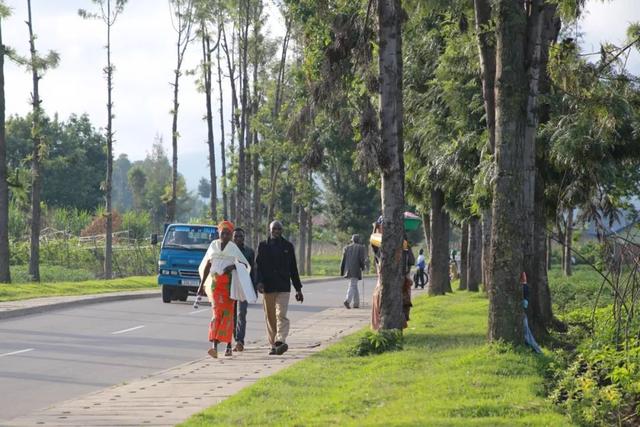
(351, 266)
(241, 306)
(276, 271)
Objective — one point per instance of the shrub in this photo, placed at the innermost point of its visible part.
(378, 342)
(137, 223)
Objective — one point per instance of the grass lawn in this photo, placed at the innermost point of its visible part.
(445, 376)
(20, 291)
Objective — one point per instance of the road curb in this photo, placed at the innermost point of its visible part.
(79, 300)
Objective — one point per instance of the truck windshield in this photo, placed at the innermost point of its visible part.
(189, 237)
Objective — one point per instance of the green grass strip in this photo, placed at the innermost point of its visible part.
(21, 291)
(446, 376)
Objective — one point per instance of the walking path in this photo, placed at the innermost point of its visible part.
(170, 397)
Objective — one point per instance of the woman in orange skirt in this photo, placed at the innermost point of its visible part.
(217, 265)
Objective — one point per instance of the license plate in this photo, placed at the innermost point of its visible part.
(187, 282)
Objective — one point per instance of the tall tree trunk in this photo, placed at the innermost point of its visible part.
(36, 157)
(486, 248)
(568, 240)
(533, 52)
(540, 314)
(391, 162)
(309, 237)
(548, 248)
(243, 44)
(223, 154)
(439, 267)
(255, 213)
(508, 229)
(540, 311)
(302, 235)
(206, 58)
(426, 228)
(5, 272)
(235, 116)
(487, 53)
(108, 251)
(475, 254)
(464, 255)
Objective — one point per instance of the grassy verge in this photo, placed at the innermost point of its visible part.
(51, 273)
(20, 291)
(445, 376)
(325, 265)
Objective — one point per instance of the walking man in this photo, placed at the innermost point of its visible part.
(241, 306)
(277, 270)
(351, 266)
(420, 274)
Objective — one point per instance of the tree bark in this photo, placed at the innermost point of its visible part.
(508, 229)
(426, 227)
(391, 162)
(487, 54)
(223, 154)
(548, 248)
(309, 238)
(5, 272)
(486, 248)
(464, 255)
(568, 240)
(439, 267)
(36, 158)
(108, 251)
(235, 116)
(475, 255)
(302, 238)
(206, 58)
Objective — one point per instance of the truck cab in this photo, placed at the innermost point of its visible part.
(182, 249)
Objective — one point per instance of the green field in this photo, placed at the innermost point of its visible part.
(446, 375)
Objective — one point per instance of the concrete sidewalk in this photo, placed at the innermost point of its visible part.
(170, 397)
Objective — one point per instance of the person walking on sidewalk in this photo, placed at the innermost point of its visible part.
(276, 270)
(351, 266)
(215, 277)
(241, 306)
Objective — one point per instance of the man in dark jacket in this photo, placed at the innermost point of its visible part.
(351, 266)
(277, 270)
(241, 306)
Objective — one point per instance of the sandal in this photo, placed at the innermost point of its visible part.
(213, 353)
(228, 352)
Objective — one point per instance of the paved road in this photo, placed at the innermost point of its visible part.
(51, 357)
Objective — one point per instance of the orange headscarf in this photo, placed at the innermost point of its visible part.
(225, 224)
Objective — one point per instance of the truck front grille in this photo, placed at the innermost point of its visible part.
(189, 273)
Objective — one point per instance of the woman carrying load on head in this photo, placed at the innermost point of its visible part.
(216, 277)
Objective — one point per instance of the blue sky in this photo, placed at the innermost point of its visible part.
(143, 53)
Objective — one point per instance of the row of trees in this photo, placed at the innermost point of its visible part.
(509, 130)
(271, 149)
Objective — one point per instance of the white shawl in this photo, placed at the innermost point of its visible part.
(241, 286)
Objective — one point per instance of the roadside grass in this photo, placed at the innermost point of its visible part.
(51, 273)
(325, 265)
(446, 375)
(21, 291)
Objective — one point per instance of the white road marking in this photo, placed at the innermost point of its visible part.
(197, 311)
(127, 330)
(17, 352)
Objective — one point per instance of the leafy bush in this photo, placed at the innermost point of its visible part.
(599, 386)
(138, 224)
(378, 342)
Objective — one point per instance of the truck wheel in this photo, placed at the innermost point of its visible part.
(183, 295)
(167, 294)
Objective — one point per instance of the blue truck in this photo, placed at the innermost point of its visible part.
(183, 247)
